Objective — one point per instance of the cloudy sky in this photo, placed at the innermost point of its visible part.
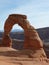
(37, 11)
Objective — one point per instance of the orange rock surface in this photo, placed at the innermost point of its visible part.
(10, 56)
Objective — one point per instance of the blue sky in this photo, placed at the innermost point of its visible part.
(37, 11)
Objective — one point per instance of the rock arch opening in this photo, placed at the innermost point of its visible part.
(17, 36)
(17, 32)
(16, 27)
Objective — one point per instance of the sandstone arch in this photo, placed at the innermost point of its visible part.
(32, 39)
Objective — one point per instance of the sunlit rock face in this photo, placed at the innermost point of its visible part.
(32, 40)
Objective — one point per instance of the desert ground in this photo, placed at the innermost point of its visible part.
(10, 56)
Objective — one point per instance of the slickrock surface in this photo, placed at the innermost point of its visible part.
(10, 56)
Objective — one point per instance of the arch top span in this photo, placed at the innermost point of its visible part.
(18, 15)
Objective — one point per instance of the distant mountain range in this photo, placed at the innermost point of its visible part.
(19, 34)
(44, 33)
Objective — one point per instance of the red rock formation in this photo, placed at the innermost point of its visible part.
(7, 41)
(32, 39)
